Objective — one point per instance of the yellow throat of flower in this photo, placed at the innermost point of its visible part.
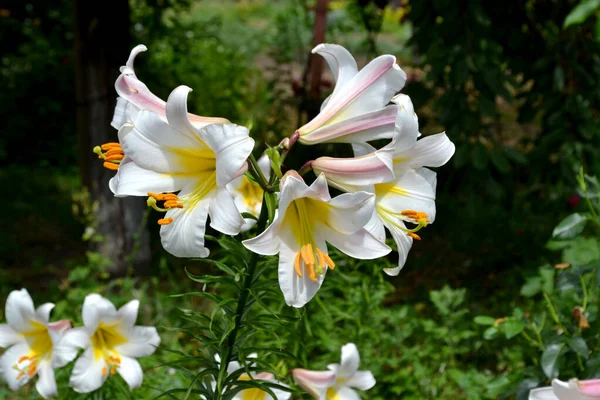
(104, 341)
(252, 193)
(40, 348)
(301, 216)
(111, 153)
(251, 394)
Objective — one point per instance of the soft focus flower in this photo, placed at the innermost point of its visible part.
(340, 381)
(248, 195)
(111, 343)
(410, 196)
(307, 218)
(135, 96)
(572, 390)
(357, 110)
(30, 340)
(175, 156)
(254, 393)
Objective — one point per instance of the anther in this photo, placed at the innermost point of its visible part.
(111, 166)
(414, 235)
(104, 372)
(297, 265)
(165, 221)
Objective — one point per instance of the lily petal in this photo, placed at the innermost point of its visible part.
(350, 361)
(87, 373)
(142, 341)
(136, 181)
(8, 336)
(363, 380)
(350, 210)
(314, 382)
(19, 310)
(8, 359)
(131, 371)
(403, 244)
(96, 308)
(46, 383)
(590, 388)
(360, 244)
(43, 312)
(224, 215)
(432, 151)
(545, 393)
(347, 393)
(128, 313)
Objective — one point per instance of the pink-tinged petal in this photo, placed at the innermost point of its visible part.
(60, 326)
(369, 90)
(340, 61)
(370, 169)
(184, 236)
(590, 388)
(314, 382)
(264, 376)
(545, 393)
(378, 124)
(125, 113)
(224, 215)
(19, 310)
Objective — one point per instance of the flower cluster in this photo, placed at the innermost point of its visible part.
(110, 339)
(194, 168)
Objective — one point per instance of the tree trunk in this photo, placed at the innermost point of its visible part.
(102, 42)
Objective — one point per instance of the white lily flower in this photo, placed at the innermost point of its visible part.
(30, 340)
(111, 343)
(248, 195)
(307, 218)
(410, 196)
(357, 110)
(135, 96)
(254, 393)
(340, 381)
(175, 156)
(574, 389)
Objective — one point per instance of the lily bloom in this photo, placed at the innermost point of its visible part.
(340, 381)
(175, 156)
(409, 198)
(574, 389)
(307, 219)
(357, 110)
(111, 343)
(135, 96)
(254, 393)
(248, 195)
(30, 340)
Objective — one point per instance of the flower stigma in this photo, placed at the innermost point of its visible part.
(111, 153)
(302, 223)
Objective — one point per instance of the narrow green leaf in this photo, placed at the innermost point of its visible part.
(484, 320)
(570, 227)
(581, 12)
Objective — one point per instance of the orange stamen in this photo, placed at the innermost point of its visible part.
(297, 265)
(114, 151)
(414, 235)
(169, 196)
(110, 145)
(22, 374)
(111, 166)
(24, 358)
(114, 157)
(311, 272)
(408, 213)
(31, 370)
(173, 204)
(165, 221)
(113, 371)
(104, 372)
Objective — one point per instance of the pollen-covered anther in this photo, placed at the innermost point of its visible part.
(414, 236)
(315, 260)
(26, 365)
(165, 221)
(418, 217)
(111, 153)
(112, 363)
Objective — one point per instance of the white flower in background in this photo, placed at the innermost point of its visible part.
(357, 110)
(410, 196)
(247, 194)
(30, 341)
(254, 393)
(175, 156)
(572, 390)
(111, 343)
(306, 220)
(135, 96)
(340, 381)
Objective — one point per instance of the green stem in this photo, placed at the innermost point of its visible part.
(240, 311)
(255, 170)
(585, 294)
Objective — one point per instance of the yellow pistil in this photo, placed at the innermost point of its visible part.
(314, 260)
(111, 153)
